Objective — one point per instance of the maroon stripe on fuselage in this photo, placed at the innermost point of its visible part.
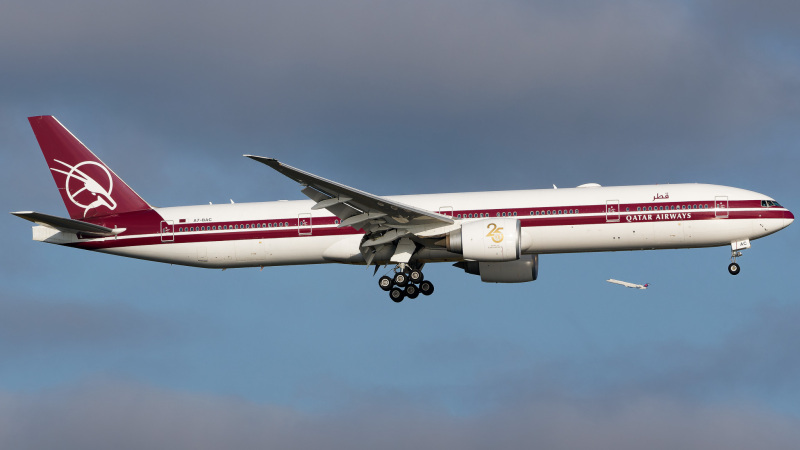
(149, 222)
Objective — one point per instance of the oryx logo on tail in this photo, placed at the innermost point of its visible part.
(83, 190)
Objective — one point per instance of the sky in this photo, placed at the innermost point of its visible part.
(410, 97)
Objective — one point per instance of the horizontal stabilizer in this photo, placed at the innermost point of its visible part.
(67, 225)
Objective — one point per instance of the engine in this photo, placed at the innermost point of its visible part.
(491, 240)
(519, 271)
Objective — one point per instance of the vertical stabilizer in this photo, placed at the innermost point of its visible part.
(88, 187)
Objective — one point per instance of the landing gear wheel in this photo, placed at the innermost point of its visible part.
(733, 269)
(426, 288)
(385, 283)
(412, 291)
(397, 295)
(400, 279)
(415, 276)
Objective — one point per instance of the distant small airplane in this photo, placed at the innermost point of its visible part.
(630, 285)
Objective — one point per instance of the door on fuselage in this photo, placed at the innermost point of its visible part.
(721, 206)
(612, 211)
(304, 224)
(167, 231)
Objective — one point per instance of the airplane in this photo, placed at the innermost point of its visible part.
(630, 285)
(496, 235)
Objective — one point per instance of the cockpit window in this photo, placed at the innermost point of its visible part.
(768, 203)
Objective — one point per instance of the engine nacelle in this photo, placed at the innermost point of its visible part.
(519, 271)
(497, 239)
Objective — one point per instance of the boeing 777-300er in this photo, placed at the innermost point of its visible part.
(496, 235)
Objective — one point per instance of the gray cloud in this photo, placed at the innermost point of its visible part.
(445, 82)
(124, 415)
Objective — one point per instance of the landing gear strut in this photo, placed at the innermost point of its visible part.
(407, 282)
(733, 267)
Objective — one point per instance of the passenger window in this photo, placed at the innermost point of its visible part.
(515, 213)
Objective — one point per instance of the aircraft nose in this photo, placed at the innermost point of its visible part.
(788, 218)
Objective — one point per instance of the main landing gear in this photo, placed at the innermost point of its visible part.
(406, 282)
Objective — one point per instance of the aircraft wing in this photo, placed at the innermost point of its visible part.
(67, 225)
(359, 209)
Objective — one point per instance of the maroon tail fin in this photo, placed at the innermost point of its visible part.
(88, 187)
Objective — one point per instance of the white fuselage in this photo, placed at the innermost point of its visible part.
(586, 219)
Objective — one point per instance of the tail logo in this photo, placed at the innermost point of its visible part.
(80, 185)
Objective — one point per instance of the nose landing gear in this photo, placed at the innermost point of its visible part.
(733, 267)
(407, 282)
